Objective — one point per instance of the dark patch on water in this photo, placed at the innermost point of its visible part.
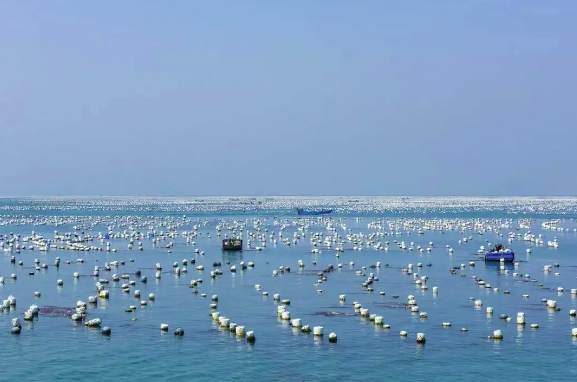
(55, 311)
(391, 305)
(332, 314)
(310, 272)
(126, 325)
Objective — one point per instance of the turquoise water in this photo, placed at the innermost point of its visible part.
(54, 347)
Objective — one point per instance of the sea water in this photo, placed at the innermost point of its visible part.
(53, 347)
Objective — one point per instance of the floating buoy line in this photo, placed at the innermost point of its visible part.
(328, 240)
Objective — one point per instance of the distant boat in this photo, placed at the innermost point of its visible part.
(499, 252)
(314, 212)
(232, 245)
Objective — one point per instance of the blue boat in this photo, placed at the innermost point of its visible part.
(500, 252)
(323, 211)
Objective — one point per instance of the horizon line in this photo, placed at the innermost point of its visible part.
(283, 196)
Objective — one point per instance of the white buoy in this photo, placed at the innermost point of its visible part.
(94, 323)
(421, 338)
(332, 337)
(552, 304)
(403, 333)
(520, 318)
(224, 322)
(574, 332)
(250, 337)
(497, 334)
(318, 331)
(164, 327)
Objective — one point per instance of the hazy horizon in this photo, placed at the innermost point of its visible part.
(461, 97)
(294, 196)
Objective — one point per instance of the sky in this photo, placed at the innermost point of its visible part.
(311, 97)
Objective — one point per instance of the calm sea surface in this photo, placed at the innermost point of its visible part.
(53, 347)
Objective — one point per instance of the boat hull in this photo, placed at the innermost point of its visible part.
(507, 256)
(232, 245)
(301, 211)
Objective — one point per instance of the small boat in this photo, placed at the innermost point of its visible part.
(232, 245)
(499, 252)
(315, 212)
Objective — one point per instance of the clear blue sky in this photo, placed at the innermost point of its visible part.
(462, 97)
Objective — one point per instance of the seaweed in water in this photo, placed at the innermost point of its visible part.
(336, 307)
(55, 311)
(391, 305)
(332, 314)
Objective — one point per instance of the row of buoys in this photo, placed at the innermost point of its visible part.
(239, 330)
(296, 323)
(364, 312)
(420, 281)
